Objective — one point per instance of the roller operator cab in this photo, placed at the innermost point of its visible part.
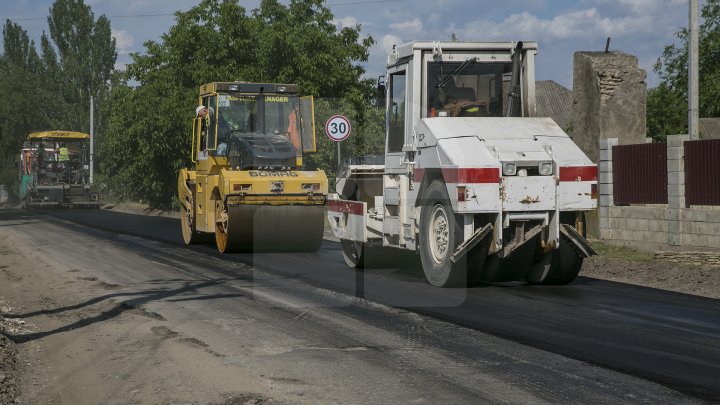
(248, 188)
(471, 180)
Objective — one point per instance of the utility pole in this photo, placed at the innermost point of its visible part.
(693, 73)
(92, 138)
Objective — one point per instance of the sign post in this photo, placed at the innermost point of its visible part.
(338, 129)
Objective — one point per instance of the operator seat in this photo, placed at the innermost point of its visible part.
(465, 97)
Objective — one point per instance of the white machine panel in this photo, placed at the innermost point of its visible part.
(347, 218)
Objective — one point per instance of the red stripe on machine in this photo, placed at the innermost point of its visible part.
(418, 174)
(472, 175)
(350, 207)
(579, 173)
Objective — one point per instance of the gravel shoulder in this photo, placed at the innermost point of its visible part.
(625, 265)
(57, 346)
(9, 370)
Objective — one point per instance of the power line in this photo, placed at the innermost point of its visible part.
(109, 16)
(362, 2)
(352, 3)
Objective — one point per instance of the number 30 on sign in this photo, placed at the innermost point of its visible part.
(338, 128)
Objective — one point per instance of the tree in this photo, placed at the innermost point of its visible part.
(148, 136)
(84, 61)
(668, 103)
(51, 89)
(19, 77)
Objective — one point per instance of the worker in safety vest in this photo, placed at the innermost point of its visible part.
(40, 153)
(201, 112)
(293, 129)
(40, 158)
(206, 116)
(63, 154)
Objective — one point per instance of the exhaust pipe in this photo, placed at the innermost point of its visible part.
(514, 99)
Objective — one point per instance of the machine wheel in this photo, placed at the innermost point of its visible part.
(566, 264)
(285, 228)
(224, 238)
(354, 253)
(540, 269)
(439, 236)
(190, 235)
(564, 267)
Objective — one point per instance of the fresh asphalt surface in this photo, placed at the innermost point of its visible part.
(669, 338)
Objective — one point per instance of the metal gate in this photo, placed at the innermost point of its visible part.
(640, 174)
(702, 172)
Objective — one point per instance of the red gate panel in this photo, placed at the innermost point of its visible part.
(640, 174)
(702, 172)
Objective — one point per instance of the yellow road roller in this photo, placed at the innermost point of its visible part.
(248, 186)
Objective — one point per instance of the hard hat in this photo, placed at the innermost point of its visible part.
(198, 109)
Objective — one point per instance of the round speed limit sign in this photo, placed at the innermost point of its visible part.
(338, 128)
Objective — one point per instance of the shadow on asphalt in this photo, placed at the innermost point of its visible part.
(140, 298)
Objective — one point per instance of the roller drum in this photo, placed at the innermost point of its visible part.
(267, 228)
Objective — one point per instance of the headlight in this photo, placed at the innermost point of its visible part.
(545, 168)
(509, 169)
(277, 187)
(522, 173)
(311, 186)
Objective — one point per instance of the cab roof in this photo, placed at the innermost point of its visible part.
(65, 135)
(403, 51)
(248, 88)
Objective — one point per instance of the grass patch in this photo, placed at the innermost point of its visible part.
(616, 252)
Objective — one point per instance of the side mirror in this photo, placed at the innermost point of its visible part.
(381, 92)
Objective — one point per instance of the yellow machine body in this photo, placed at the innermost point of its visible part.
(253, 194)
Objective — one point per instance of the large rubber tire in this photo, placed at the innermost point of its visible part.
(512, 268)
(566, 265)
(353, 253)
(187, 221)
(439, 237)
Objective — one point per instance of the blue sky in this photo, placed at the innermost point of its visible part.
(638, 27)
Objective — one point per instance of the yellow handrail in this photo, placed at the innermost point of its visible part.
(192, 148)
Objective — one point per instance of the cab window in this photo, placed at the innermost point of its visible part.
(210, 130)
(396, 113)
(468, 88)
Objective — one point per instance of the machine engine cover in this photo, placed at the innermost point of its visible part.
(260, 151)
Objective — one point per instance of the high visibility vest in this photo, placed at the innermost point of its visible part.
(293, 130)
(64, 154)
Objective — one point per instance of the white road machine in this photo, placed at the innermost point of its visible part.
(470, 179)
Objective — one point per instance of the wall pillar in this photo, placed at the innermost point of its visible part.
(609, 100)
(676, 187)
(605, 186)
